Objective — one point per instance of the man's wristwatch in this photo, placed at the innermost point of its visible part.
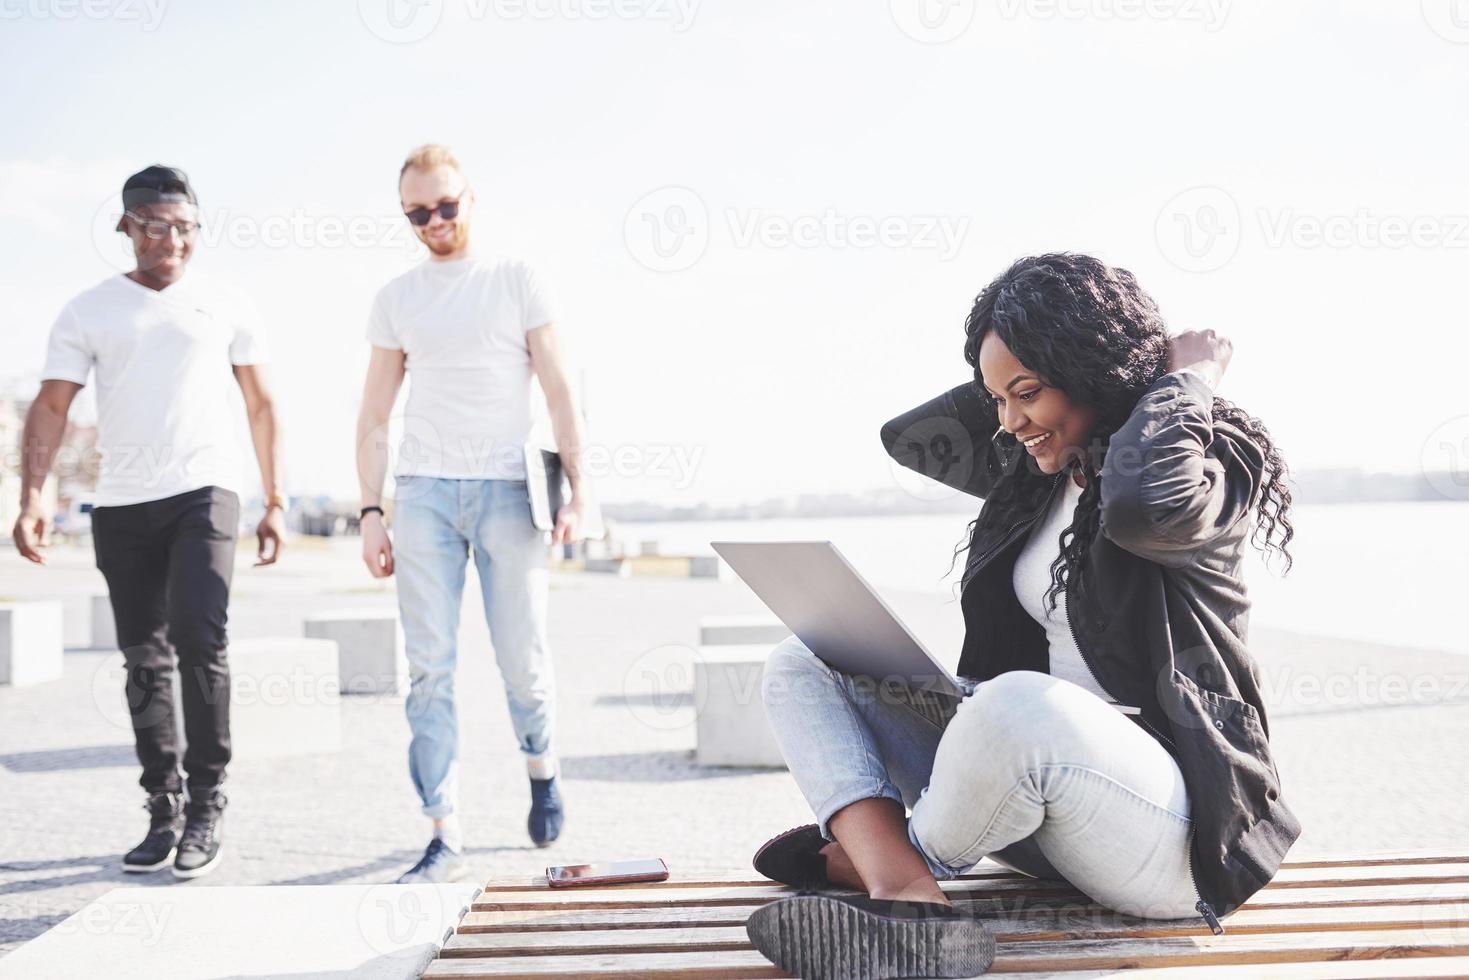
(374, 509)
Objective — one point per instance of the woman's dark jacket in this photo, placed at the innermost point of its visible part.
(1177, 490)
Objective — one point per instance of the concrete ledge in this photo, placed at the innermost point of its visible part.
(741, 630)
(30, 642)
(731, 728)
(372, 932)
(370, 658)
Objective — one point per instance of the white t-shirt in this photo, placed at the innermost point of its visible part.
(462, 326)
(1032, 579)
(167, 421)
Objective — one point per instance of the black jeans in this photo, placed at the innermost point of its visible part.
(168, 565)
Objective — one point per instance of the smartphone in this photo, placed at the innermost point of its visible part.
(606, 873)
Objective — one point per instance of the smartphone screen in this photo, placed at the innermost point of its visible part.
(650, 869)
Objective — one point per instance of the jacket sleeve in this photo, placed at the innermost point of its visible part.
(1172, 482)
(949, 439)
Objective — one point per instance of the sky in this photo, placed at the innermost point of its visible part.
(766, 221)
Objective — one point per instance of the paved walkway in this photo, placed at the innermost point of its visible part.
(1370, 744)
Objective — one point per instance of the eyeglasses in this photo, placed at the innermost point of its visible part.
(159, 230)
(448, 210)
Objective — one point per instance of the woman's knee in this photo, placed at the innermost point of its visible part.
(794, 677)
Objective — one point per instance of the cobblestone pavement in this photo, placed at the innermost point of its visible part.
(1370, 743)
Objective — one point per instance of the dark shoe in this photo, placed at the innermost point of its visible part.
(795, 858)
(850, 937)
(440, 863)
(199, 849)
(165, 824)
(546, 812)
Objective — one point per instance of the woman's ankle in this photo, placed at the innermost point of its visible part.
(916, 892)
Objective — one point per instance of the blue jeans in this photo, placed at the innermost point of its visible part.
(1030, 770)
(437, 524)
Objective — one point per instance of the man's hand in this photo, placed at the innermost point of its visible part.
(377, 547)
(1203, 350)
(32, 533)
(570, 520)
(270, 533)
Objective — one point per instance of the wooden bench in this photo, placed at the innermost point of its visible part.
(1398, 915)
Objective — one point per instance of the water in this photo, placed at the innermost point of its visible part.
(1391, 573)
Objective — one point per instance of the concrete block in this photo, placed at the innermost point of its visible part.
(76, 622)
(741, 630)
(104, 629)
(620, 567)
(286, 697)
(367, 932)
(30, 642)
(731, 728)
(710, 566)
(370, 658)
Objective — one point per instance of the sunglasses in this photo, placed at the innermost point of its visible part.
(448, 210)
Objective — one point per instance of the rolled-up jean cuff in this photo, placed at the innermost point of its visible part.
(940, 871)
(880, 790)
(438, 810)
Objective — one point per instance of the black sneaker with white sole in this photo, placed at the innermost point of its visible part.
(853, 937)
(165, 825)
(199, 848)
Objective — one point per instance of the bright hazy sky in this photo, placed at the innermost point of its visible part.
(767, 220)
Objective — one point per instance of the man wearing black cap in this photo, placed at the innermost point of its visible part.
(167, 506)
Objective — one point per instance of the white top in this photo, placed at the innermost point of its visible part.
(462, 325)
(167, 420)
(1032, 579)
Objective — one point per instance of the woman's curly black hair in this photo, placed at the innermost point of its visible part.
(1090, 330)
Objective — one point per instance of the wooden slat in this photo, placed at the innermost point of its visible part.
(1255, 952)
(1035, 922)
(660, 966)
(1419, 968)
(990, 870)
(1010, 933)
(1121, 954)
(635, 896)
(709, 939)
(554, 920)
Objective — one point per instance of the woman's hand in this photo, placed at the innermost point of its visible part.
(1203, 350)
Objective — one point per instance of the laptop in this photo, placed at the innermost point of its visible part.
(822, 599)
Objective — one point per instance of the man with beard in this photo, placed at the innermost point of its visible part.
(472, 328)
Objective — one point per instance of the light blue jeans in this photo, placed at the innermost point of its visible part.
(1032, 771)
(437, 524)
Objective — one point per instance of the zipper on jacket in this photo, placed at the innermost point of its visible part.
(1005, 539)
(1202, 907)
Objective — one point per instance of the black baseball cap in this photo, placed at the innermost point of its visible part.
(157, 185)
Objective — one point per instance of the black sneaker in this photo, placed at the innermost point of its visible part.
(795, 858)
(851, 937)
(198, 851)
(547, 814)
(165, 824)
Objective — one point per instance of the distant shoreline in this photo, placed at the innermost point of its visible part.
(1308, 488)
